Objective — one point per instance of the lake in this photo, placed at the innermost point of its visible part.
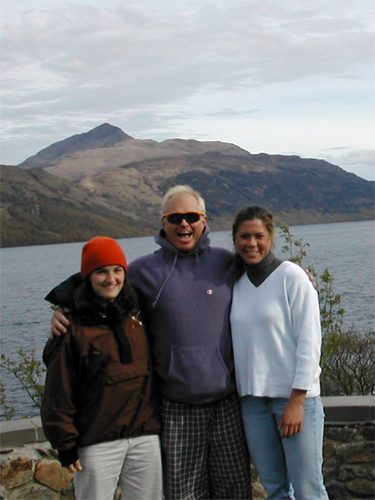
(28, 273)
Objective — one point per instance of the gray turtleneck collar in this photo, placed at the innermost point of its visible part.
(258, 273)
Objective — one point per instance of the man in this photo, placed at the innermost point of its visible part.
(185, 289)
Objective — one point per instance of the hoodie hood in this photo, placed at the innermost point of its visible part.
(202, 245)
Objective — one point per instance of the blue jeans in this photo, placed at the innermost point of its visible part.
(288, 468)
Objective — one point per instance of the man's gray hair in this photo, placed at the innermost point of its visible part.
(177, 191)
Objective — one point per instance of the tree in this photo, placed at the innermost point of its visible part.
(348, 364)
(29, 372)
(8, 410)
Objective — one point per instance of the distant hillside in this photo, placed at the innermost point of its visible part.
(105, 181)
(38, 208)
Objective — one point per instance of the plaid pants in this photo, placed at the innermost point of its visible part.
(204, 451)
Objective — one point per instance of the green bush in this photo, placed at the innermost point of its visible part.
(29, 371)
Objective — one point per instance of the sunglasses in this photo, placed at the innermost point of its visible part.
(178, 217)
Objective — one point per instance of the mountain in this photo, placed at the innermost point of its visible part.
(104, 136)
(106, 182)
(107, 147)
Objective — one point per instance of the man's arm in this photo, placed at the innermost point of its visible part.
(62, 293)
(61, 296)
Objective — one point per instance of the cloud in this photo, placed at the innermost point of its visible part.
(364, 157)
(170, 67)
(359, 161)
(146, 57)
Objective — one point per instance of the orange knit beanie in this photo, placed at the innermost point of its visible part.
(101, 251)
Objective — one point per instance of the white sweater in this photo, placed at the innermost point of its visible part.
(276, 334)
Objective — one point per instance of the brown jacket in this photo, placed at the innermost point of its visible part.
(90, 397)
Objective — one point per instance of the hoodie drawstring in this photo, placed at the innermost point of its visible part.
(165, 282)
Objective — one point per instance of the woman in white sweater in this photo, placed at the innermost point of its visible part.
(277, 339)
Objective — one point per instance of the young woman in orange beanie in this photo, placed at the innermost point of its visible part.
(99, 407)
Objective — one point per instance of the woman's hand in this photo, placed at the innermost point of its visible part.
(293, 414)
(59, 321)
(75, 467)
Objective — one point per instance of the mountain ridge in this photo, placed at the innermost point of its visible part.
(107, 181)
(72, 157)
(103, 136)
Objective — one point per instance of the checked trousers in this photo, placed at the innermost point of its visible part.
(204, 451)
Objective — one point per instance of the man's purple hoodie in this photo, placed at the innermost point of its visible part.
(186, 298)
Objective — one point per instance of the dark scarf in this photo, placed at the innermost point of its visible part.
(108, 316)
(258, 273)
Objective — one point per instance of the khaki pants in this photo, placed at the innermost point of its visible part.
(134, 464)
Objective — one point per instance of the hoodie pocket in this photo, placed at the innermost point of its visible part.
(199, 371)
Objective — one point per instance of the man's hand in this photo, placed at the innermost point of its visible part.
(310, 275)
(75, 467)
(294, 414)
(59, 322)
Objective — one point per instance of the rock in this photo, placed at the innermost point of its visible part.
(16, 472)
(53, 475)
(363, 452)
(328, 450)
(68, 493)
(361, 488)
(3, 495)
(339, 433)
(33, 491)
(337, 491)
(368, 432)
(258, 491)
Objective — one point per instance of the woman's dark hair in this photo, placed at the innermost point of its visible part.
(86, 302)
(251, 213)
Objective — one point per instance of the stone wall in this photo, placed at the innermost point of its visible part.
(33, 472)
(30, 470)
(349, 460)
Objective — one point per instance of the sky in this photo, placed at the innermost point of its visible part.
(274, 76)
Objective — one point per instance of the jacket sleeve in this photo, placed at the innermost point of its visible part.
(62, 293)
(58, 406)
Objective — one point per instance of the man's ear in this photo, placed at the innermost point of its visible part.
(205, 224)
